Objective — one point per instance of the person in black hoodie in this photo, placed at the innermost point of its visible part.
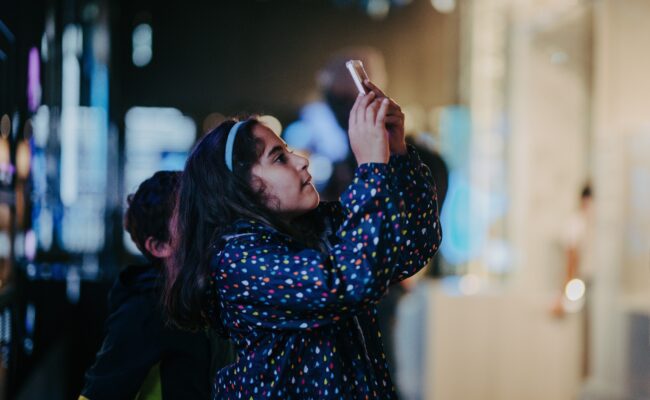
(137, 334)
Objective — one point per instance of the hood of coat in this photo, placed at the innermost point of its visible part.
(135, 280)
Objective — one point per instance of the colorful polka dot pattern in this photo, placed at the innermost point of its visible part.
(291, 311)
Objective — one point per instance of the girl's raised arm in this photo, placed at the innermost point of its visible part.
(415, 188)
(266, 283)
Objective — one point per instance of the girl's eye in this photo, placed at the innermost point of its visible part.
(281, 158)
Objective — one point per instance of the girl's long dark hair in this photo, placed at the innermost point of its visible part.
(210, 199)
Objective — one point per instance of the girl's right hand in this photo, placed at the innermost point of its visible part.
(367, 127)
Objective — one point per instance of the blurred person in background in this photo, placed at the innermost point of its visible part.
(321, 131)
(578, 239)
(141, 355)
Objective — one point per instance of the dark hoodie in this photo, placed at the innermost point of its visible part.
(137, 338)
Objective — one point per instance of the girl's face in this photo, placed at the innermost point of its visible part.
(283, 176)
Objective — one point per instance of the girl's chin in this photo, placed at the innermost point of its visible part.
(309, 190)
(317, 197)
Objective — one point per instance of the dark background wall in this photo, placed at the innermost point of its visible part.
(232, 56)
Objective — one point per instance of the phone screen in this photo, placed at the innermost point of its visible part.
(358, 73)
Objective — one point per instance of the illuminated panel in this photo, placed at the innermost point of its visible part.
(34, 80)
(84, 172)
(42, 207)
(141, 44)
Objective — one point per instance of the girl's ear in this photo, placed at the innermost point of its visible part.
(158, 248)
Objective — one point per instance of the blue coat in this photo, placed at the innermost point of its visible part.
(292, 310)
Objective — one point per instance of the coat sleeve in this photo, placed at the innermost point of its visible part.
(417, 200)
(268, 284)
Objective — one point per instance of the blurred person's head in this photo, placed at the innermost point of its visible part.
(336, 84)
(586, 196)
(149, 212)
(264, 182)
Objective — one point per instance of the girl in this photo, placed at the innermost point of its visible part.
(285, 277)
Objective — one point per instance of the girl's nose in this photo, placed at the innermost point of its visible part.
(302, 162)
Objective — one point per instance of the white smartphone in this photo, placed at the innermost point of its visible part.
(358, 74)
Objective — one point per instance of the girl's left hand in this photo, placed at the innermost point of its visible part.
(394, 121)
